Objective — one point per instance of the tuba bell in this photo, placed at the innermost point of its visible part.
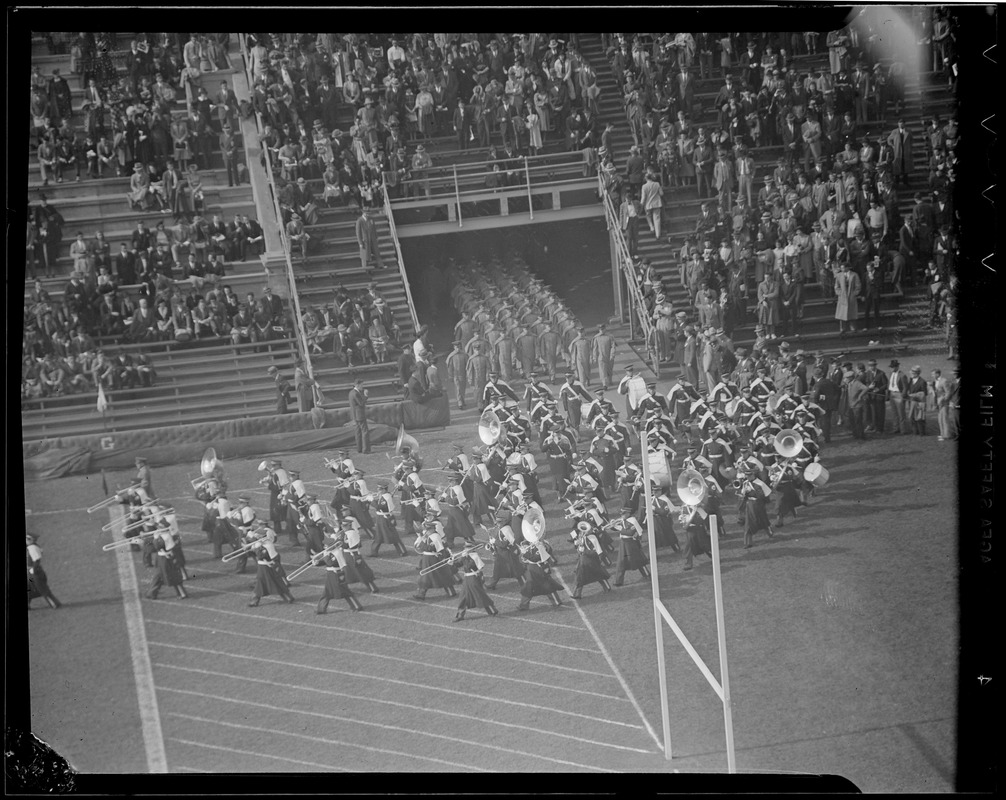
(404, 440)
(490, 427)
(207, 467)
(692, 488)
(533, 525)
(788, 443)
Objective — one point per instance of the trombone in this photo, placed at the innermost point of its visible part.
(241, 551)
(315, 560)
(106, 502)
(123, 542)
(453, 558)
(154, 517)
(148, 506)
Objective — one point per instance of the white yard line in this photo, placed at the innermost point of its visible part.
(412, 662)
(146, 695)
(235, 751)
(331, 626)
(421, 735)
(316, 739)
(409, 706)
(409, 684)
(611, 663)
(446, 627)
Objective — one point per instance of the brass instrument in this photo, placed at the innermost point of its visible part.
(490, 427)
(315, 560)
(788, 443)
(452, 559)
(123, 542)
(404, 440)
(148, 505)
(243, 550)
(155, 516)
(207, 467)
(692, 487)
(533, 529)
(115, 498)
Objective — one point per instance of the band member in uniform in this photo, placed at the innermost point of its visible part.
(430, 547)
(38, 581)
(359, 499)
(573, 394)
(336, 582)
(275, 482)
(483, 487)
(630, 554)
(539, 576)
(385, 531)
(588, 566)
(754, 497)
(268, 579)
(503, 545)
(455, 506)
(224, 531)
(473, 594)
(315, 525)
(784, 480)
(168, 569)
(560, 455)
(663, 518)
(357, 569)
(694, 518)
(144, 477)
(243, 519)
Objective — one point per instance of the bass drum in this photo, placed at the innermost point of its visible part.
(659, 471)
(816, 474)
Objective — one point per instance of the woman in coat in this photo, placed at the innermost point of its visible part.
(847, 290)
(768, 304)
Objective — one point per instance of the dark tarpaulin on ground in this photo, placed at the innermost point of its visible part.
(434, 413)
(57, 464)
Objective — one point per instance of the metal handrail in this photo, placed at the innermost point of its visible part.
(305, 351)
(445, 181)
(401, 262)
(625, 266)
(543, 159)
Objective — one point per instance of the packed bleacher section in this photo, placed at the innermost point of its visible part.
(159, 262)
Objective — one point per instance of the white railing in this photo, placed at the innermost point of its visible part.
(637, 306)
(401, 262)
(301, 336)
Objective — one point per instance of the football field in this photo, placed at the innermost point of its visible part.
(841, 634)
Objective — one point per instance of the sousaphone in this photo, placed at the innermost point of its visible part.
(207, 467)
(404, 440)
(533, 529)
(490, 428)
(788, 443)
(691, 487)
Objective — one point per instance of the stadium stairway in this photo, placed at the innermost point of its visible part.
(925, 95)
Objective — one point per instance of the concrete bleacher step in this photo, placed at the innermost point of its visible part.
(109, 185)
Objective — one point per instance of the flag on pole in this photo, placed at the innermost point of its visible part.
(102, 400)
(104, 483)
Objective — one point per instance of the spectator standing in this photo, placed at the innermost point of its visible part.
(652, 198)
(283, 390)
(367, 239)
(856, 403)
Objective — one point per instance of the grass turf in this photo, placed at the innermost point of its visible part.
(841, 636)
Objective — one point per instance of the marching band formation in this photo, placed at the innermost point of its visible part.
(757, 443)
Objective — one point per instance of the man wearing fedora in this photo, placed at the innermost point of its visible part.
(915, 401)
(367, 240)
(897, 391)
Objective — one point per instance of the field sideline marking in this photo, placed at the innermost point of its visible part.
(321, 740)
(257, 755)
(409, 706)
(524, 639)
(421, 734)
(343, 629)
(410, 684)
(411, 661)
(143, 674)
(611, 663)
